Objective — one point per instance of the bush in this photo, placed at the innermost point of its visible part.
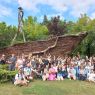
(4, 67)
(5, 74)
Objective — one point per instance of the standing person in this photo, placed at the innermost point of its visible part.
(33, 62)
(45, 61)
(59, 60)
(2, 59)
(12, 61)
(19, 63)
(49, 58)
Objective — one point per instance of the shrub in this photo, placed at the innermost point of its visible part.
(5, 74)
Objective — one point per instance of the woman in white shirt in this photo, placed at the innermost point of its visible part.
(20, 78)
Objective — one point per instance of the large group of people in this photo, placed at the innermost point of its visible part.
(50, 67)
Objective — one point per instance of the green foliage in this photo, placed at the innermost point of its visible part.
(84, 23)
(34, 30)
(55, 25)
(5, 74)
(4, 67)
(6, 34)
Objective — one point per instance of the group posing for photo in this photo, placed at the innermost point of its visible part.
(50, 67)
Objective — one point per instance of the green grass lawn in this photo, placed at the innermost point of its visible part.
(38, 87)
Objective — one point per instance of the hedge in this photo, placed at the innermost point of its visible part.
(5, 74)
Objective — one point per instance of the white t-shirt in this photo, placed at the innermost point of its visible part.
(19, 76)
(91, 77)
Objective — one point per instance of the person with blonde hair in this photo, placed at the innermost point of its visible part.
(45, 75)
(20, 78)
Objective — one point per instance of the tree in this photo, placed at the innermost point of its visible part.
(84, 23)
(55, 26)
(34, 30)
(45, 20)
(6, 34)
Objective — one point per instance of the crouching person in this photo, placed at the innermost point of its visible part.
(20, 78)
(60, 73)
(72, 73)
(91, 77)
(28, 72)
(82, 75)
(45, 75)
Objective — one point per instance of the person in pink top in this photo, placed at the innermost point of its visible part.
(52, 73)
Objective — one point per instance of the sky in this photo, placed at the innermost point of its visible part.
(67, 9)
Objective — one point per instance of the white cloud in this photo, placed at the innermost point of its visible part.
(81, 7)
(8, 1)
(5, 11)
(25, 3)
(76, 7)
(5, 8)
(57, 5)
(33, 4)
